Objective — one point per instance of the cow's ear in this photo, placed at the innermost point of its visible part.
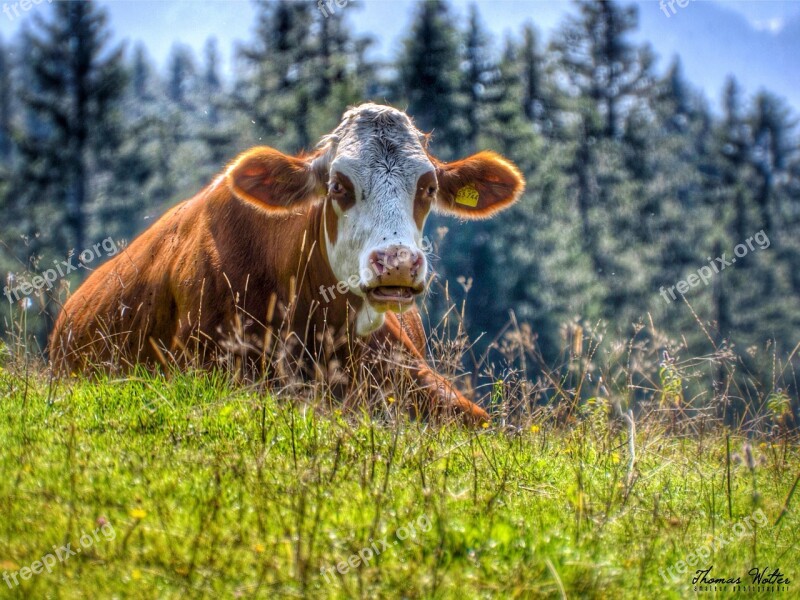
(478, 186)
(273, 180)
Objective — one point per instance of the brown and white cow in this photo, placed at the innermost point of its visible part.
(327, 243)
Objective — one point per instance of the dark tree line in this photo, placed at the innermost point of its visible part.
(634, 182)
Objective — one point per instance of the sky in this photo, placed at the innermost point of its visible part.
(757, 40)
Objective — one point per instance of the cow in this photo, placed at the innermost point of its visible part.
(326, 245)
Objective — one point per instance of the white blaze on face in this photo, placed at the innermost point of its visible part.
(378, 153)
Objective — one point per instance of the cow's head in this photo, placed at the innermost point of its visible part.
(379, 183)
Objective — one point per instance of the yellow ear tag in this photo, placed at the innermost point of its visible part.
(468, 196)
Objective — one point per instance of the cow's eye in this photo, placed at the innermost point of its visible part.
(431, 191)
(337, 188)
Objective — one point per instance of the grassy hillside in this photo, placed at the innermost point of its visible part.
(196, 488)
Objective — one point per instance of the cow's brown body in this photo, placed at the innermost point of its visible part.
(248, 265)
(215, 267)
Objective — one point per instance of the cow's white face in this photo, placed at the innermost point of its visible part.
(379, 184)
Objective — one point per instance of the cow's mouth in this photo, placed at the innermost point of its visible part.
(392, 294)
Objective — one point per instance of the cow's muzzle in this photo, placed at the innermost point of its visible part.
(396, 276)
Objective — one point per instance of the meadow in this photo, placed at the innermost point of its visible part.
(196, 486)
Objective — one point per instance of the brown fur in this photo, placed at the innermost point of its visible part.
(216, 266)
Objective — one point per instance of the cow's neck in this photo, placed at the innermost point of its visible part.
(283, 248)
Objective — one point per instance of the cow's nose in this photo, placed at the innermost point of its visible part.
(396, 266)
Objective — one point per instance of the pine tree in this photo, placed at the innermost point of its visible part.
(217, 128)
(5, 105)
(506, 127)
(764, 299)
(141, 74)
(191, 148)
(76, 84)
(606, 79)
(667, 145)
(735, 147)
(791, 224)
(428, 76)
(539, 99)
(479, 73)
(132, 191)
(331, 53)
(182, 71)
(601, 62)
(5, 138)
(772, 125)
(212, 84)
(275, 77)
(340, 74)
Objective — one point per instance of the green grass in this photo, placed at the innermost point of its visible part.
(219, 491)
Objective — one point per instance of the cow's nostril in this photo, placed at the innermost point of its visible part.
(377, 262)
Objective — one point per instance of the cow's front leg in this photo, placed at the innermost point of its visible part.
(440, 395)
